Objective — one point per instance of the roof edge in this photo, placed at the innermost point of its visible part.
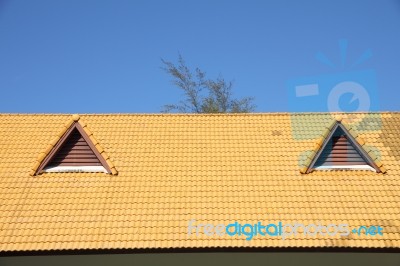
(202, 249)
(206, 114)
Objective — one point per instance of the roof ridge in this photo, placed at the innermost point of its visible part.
(201, 114)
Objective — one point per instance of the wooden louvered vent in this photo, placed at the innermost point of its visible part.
(75, 151)
(340, 151)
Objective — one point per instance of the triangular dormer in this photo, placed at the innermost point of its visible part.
(74, 151)
(340, 150)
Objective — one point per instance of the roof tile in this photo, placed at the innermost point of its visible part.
(174, 168)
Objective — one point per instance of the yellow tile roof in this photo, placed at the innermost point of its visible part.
(211, 168)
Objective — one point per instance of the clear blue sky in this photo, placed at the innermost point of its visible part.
(104, 56)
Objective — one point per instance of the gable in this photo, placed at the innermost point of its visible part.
(340, 150)
(74, 151)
